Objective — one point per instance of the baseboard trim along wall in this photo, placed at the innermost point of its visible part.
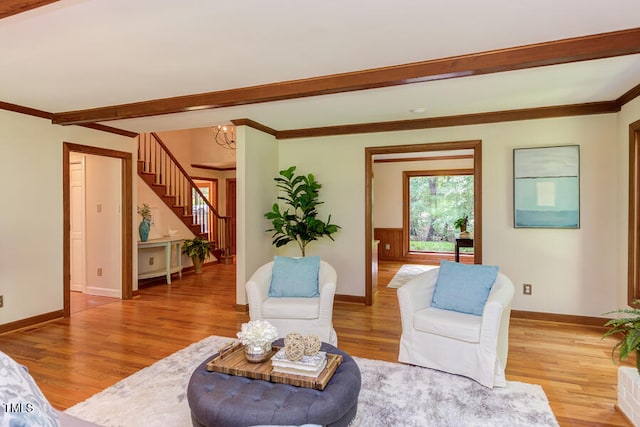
(560, 318)
(31, 321)
(350, 298)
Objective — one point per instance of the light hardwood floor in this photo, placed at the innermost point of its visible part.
(71, 359)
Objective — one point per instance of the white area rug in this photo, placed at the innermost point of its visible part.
(408, 272)
(392, 394)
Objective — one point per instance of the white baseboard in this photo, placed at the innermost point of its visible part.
(103, 292)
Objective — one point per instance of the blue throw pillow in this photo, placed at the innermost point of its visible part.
(295, 277)
(463, 288)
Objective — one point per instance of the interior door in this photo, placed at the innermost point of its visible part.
(78, 222)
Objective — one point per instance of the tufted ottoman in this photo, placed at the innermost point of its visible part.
(218, 399)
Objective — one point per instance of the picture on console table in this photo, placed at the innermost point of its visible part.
(546, 187)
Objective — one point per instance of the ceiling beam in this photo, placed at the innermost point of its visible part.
(13, 7)
(459, 120)
(591, 47)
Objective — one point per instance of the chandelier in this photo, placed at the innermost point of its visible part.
(225, 136)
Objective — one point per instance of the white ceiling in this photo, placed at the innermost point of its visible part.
(79, 54)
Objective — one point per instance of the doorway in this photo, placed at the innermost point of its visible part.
(125, 213)
(230, 206)
(400, 150)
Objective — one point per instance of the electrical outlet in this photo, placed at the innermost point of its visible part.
(1, 300)
(387, 247)
(99, 272)
(526, 289)
(151, 260)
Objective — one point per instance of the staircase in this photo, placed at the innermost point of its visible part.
(168, 179)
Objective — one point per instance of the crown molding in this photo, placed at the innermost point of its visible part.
(13, 7)
(585, 48)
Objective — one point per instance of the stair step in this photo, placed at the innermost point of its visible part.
(182, 212)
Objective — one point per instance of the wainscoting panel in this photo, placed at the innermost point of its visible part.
(390, 247)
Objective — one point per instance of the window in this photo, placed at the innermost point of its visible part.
(434, 200)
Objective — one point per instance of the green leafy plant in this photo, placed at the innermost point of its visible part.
(197, 249)
(145, 212)
(462, 223)
(627, 328)
(298, 220)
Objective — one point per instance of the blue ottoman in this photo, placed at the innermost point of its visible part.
(218, 399)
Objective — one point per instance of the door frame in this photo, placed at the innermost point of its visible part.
(369, 152)
(230, 206)
(126, 204)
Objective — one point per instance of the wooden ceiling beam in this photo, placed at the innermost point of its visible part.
(13, 7)
(591, 47)
(459, 120)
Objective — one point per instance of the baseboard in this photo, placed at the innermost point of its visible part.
(31, 321)
(242, 308)
(560, 318)
(350, 298)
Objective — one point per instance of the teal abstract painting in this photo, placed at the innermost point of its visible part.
(546, 188)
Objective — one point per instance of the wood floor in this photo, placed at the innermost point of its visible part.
(71, 359)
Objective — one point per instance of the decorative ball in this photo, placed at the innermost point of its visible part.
(294, 351)
(291, 337)
(311, 345)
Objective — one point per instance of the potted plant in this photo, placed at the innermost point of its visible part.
(197, 249)
(461, 224)
(627, 328)
(299, 220)
(147, 222)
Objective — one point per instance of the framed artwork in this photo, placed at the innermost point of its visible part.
(546, 187)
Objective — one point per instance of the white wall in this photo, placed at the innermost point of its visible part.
(31, 219)
(387, 187)
(257, 163)
(163, 220)
(572, 271)
(103, 225)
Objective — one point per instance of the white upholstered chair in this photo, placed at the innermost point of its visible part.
(458, 343)
(287, 314)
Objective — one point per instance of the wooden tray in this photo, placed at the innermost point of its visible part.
(232, 361)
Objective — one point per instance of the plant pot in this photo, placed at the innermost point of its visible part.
(197, 265)
(143, 229)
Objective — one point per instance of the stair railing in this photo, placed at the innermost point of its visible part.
(159, 161)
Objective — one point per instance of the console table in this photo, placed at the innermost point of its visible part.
(462, 243)
(168, 269)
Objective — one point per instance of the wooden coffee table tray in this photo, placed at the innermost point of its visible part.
(232, 361)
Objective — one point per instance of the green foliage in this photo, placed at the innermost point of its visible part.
(436, 247)
(461, 223)
(145, 212)
(628, 327)
(196, 247)
(436, 202)
(298, 220)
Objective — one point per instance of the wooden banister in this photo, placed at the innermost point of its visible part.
(176, 187)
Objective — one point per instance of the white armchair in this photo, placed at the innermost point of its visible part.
(454, 342)
(304, 315)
